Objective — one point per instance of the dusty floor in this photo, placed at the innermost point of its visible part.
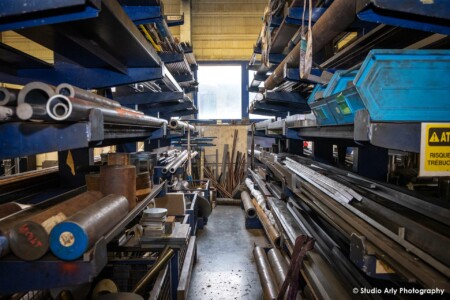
(225, 267)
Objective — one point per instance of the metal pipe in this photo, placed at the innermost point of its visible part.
(278, 265)
(249, 209)
(75, 92)
(8, 96)
(119, 180)
(177, 124)
(71, 238)
(272, 233)
(62, 108)
(173, 162)
(35, 93)
(28, 239)
(266, 276)
(181, 161)
(335, 20)
(159, 264)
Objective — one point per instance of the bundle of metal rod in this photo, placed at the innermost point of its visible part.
(62, 108)
(402, 260)
(266, 276)
(179, 162)
(178, 124)
(332, 188)
(182, 155)
(159, 264)
(249, 209)
(271, 231)
(71, 238)
(31, 101)
(334, 21)
(8, 97)
(69, 90)
(28, 239)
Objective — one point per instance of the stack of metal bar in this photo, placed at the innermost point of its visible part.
(38, 101)
(365, 231)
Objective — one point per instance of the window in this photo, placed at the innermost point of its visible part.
(219, 92)
(251, 97)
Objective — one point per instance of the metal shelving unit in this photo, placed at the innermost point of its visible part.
(50, 272)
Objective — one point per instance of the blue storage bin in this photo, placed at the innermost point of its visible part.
(340, 81)
(406, 85)
(323, 113)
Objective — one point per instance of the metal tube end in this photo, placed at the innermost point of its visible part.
(59, 107)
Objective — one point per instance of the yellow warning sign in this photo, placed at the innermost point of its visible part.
(435, 149)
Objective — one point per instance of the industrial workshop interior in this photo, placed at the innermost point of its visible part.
(224, 150)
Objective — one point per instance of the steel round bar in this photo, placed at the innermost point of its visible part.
(6, 113)
(177, 124)
(26, 111)
(28, 239)
(249, 209)
(266, 276)
(334, 21)
(159, 264)
(71, 238)
(81, 108)
(278, 265)
(8, 97)
(75, 92)
(119, 180)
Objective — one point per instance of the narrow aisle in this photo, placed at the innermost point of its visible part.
(225, 267)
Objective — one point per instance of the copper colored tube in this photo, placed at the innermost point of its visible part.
(270, 230)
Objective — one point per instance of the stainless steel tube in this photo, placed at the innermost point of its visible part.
(249, 209)
(335, 20)
(32, 99)
(177, 124)
(75, 92)
(62, 108)
(266, 276)
(173, 162)
(278, 265)
(181, 161)
(8, 97)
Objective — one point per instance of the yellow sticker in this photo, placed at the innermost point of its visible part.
(435, 149)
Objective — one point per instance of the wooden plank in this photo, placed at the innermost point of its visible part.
(186, 271)
(224, 163)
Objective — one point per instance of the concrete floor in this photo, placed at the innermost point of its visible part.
(225, 267)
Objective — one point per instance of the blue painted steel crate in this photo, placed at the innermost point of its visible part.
(406, 85)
